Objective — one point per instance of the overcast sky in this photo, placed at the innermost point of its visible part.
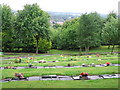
(82, 6)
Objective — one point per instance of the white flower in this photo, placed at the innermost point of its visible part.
(99, 59)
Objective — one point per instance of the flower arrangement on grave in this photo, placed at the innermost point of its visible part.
(27, 61)
(31, 58)
(99, 59)
(42, 61)
(19, 75)
(84, 74)
(88, 56)
(83, 64)
(18, 60)
(98, 55)
(107, 63)
(93, 64)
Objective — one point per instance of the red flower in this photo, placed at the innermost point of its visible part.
(107, 63)
(83, 73)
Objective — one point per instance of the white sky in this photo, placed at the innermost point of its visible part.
(82, 6)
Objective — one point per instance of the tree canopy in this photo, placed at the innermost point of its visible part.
(30, 30)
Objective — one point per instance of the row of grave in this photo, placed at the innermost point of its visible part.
(38, 67)
(55, 77)
(98, 54)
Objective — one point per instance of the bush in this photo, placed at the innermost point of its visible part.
(44, 45)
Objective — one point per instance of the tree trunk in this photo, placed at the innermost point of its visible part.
(80, 51)
(86, 49)
(112, 48)
(37, 47)
(108, 46)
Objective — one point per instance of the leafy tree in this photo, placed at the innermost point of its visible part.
(108, 19)
(0, 27)
(32, 22)
(7, 27)
(56, 26)
(110, 32)
(67, 35)
(111, 14)
(88, 31)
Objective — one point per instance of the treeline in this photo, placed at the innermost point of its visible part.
(29, 30)
(86, 32)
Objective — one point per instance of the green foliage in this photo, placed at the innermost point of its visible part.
(88, 31)
(43, 45)
(83, 32)
(66, 37)
(20, 30)
(56, 26)
(110, 31)
(31, 22)
(7, 27)
(16, 61)
(111, 14)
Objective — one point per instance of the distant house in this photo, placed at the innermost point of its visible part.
(61, 23)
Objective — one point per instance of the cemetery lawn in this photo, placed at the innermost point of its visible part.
(9, 73)
(63, 60)
(100, 49)
(102, 83)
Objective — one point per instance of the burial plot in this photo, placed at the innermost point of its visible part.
(5, 80)
(93, 65)
(65, 78)
(94, 77)
(76, 77)
(110, 76)
(115, 64)
(84, 65)
(1, 67)
(68, 65)
(34, 78)
(38, 67)
(49, 77)
(107, 64)
(30, 65)
(77, 66)
(59, 66)
(21, 67)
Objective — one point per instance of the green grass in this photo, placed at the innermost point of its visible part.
(64, 60)
(103, 49)
(105, 83)
(72, 63)
(100, 49)
(8, 73)
(7, 54)
(54, 51)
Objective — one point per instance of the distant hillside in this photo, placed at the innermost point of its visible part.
(63, 16)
